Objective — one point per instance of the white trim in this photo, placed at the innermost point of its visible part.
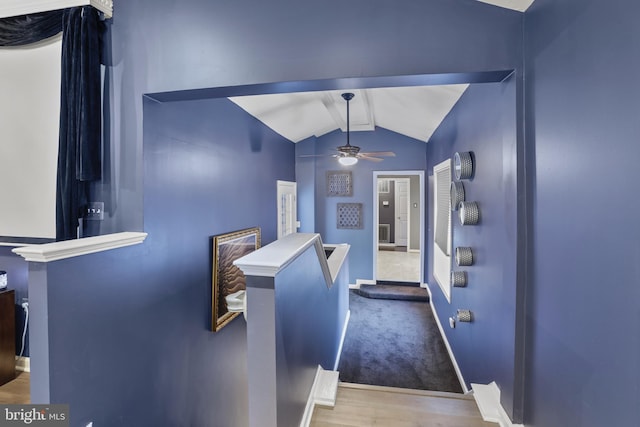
(446, 343)
(323, 392)
(401, 174)
(342, 337)
(269, 260)
(23, 364)
(488, 400)
(23, 7)
(360, 282)
(519, 5)
(442, 260)
(48, 252)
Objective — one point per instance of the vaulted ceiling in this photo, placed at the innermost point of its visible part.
(415, 112)
(411, 111)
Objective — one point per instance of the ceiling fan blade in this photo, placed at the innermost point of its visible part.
(380, 153)
(372, 159)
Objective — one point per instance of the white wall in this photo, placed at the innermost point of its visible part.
(29, 123)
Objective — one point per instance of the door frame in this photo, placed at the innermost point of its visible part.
(401, 174)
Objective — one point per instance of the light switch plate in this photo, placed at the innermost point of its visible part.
(95, 211)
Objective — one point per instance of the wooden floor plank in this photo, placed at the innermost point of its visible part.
(362, 406)
(17, 390)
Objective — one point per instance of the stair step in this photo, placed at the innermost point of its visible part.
(400, 390)
(365, 405)
(393, 292)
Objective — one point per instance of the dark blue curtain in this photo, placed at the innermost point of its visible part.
(79, 152)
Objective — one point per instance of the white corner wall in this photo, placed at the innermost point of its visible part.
(29, 123)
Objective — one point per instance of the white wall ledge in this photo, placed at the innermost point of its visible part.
(48, 252)
(269, 260)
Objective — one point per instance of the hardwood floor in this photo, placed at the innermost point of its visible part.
(361, 405)
(17, 390)
(357, 405)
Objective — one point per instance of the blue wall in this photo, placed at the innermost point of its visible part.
(484, 122)
(410, 155)
(186, 193)
(582, 97)
(17, 273)
(309, 323)
(583, 339)
(129, 330)
(164, 45)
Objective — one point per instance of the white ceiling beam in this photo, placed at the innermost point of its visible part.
(361, 113)
(519, 5)
(23, 7)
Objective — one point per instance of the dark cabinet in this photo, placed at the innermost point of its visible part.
(7, 336)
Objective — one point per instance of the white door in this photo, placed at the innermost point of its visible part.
(402, 212)
(287, 214)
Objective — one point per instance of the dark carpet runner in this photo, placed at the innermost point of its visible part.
(395, 343)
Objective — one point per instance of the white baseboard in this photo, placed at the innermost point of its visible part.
(323, 392)
(488, 400)
(23, 364)
(446, 343)
(344, 334)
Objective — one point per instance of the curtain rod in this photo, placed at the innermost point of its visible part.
(23, 7)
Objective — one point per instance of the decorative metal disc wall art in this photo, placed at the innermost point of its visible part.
(464, 256)
(459, 279)
(463, 165)
(456, 194)
(469, 213)
(464, 316)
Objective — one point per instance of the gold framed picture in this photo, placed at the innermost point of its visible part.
(226, 277)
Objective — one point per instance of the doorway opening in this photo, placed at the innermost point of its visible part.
(398, 212)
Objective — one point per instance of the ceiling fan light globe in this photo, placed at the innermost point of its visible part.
(348, 161)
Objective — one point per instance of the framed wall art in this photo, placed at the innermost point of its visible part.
(339, 183)
(349, 215)
(226, 277)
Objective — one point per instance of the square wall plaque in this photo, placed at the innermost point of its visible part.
(349, 215)
(339, 183)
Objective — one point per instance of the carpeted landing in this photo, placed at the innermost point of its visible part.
(395, 343)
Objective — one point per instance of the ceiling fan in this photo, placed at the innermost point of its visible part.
(350, 154)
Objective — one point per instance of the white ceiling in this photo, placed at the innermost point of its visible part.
(519, 5)
(411, 111)
(415, 112)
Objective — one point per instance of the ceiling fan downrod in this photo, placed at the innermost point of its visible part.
(348, 96)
